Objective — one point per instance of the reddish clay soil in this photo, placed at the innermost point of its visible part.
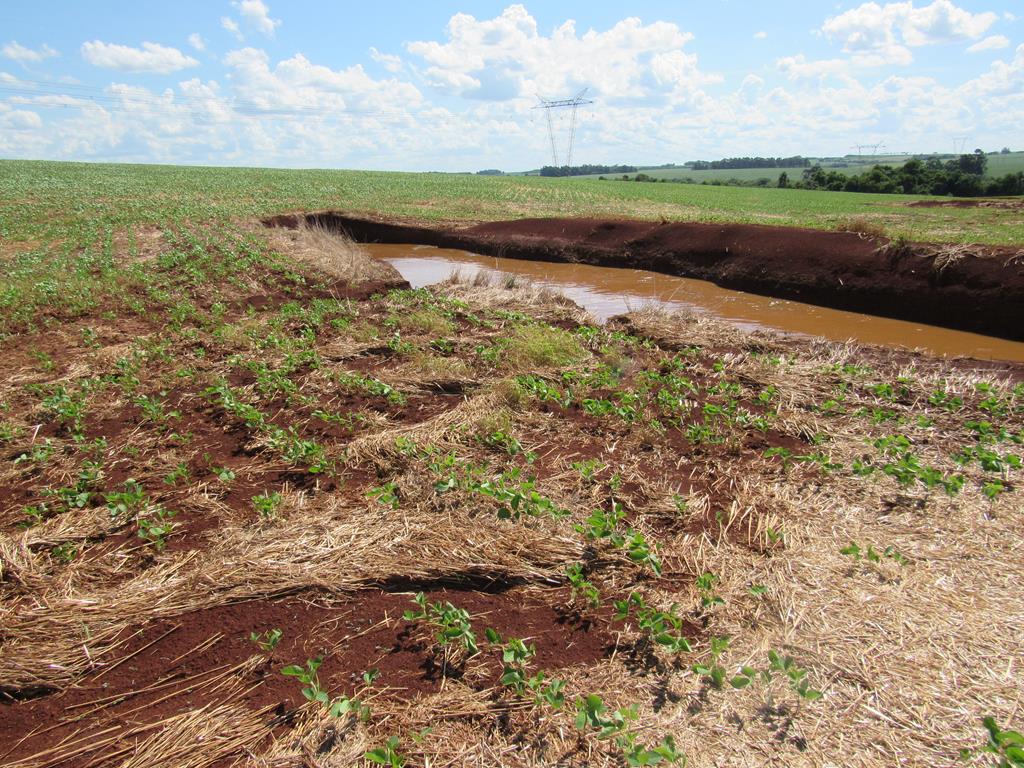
(981, 290)
(1008, 203)
(163, 666)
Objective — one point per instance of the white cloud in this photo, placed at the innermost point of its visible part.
(887, 31)
(507, 58)
(17, 52)
(196, 41)
(990, 43)
(231, 26)
(389, 61)
(257, 14)
(152, 57)
(761, 35)
(20, 119)
(798, 67)
(299, 84)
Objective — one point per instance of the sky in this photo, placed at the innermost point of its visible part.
(454, 86)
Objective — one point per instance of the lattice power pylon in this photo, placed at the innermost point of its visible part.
(549, 105)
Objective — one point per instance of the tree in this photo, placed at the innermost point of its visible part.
(783, 180)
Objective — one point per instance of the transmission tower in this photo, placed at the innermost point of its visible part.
(960, 144)
(873, 147)
(549, 105)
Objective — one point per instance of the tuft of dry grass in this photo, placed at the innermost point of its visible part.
(333, 253)
(864, 226)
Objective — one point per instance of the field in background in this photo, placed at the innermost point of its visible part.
(998, 165)
(48, 197)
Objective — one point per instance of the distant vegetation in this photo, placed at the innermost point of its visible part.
(750, 162)
(963, 176)
(585, 170)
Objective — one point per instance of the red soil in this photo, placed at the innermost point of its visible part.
(352, 635)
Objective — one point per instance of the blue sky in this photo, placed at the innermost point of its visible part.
(450, 86)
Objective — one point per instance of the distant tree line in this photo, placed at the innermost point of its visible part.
(584, 170)
(797, 161)
(963, 176)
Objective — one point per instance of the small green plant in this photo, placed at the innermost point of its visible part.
(308, 676)
(662, 627)
(267, 641)
(706, 586)
(386, 495)
(267, 504)
(452, 623)
(65, 552)
(155, 529)
(180, 472)
(713, 671)
(126, 502)
(796, 675)
(388, 754)
(581, 586)
(1006, 745)
(223, 474)
(637, 754)
(588, 469)
(854, 550)
(592, 712)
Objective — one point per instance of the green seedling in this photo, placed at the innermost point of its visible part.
(65, 552)
(797, 676)
(581, 587)
(662, 627)
(157, 528)
(308, 677)
(1006, 745)
(388, 754)
(547, 692)
(386, 495)
(127, 502)
(267, 504)
(180, 472)
(592, 712)
(637, 754)
(267, 641)
(853, 549)
(452, 623)
(39, 453)
(515, 656)
(713, 671)
(706, 586)
(588, 469)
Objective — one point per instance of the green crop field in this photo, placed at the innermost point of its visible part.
(40, 200)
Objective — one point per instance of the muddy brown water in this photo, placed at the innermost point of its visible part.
(609, 291)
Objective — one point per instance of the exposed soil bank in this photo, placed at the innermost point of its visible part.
(975, 288)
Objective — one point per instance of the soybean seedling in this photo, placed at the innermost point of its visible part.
(452, 623)
(157, 528)
(797, 676)
(388, 754)
(267, 641)
(581, 586)
(1007, 746)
